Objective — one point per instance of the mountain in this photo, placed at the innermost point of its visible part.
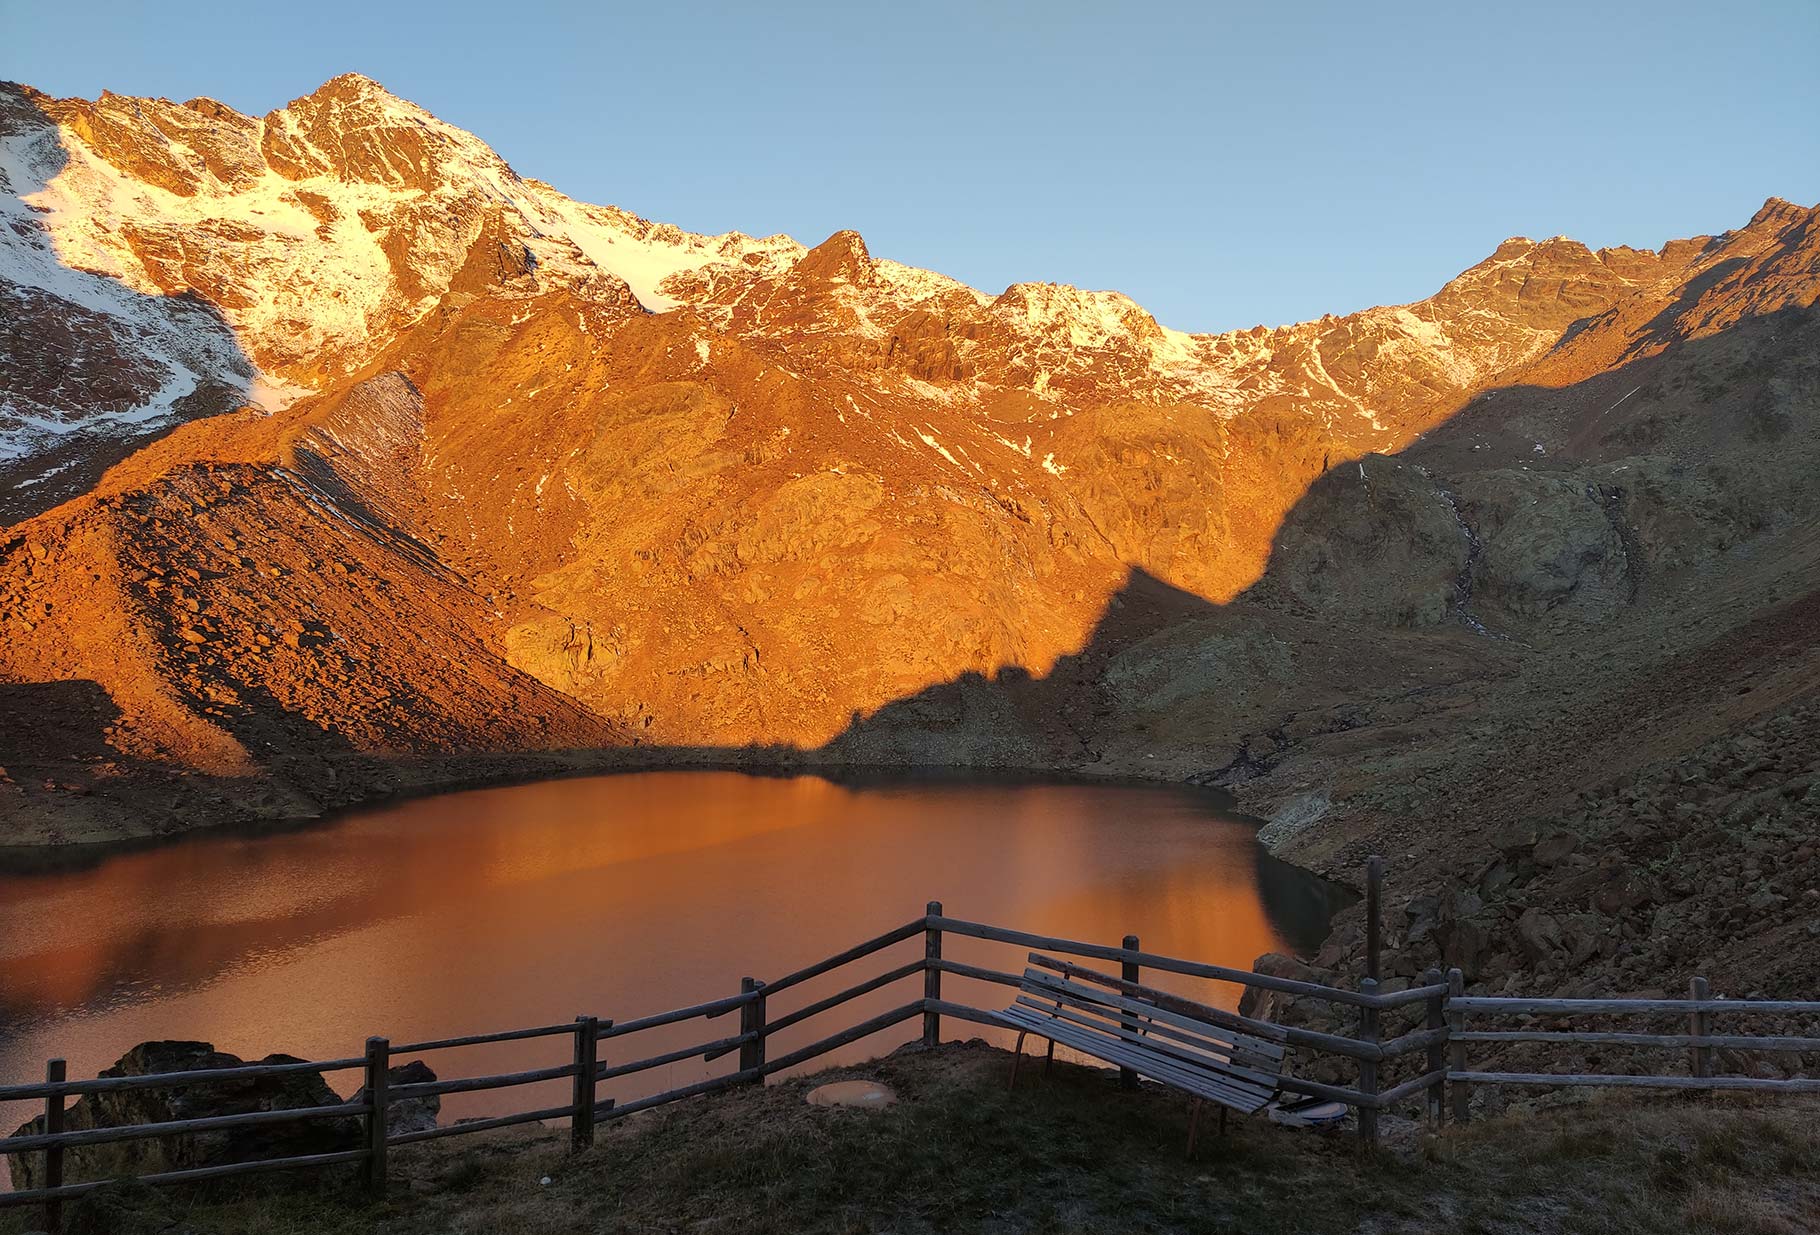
(337, 459)
(227, 259)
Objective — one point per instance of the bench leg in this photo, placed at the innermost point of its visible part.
(1222, 1121)
(1049, 1059)
(1194, 1124)
(1017, 1056)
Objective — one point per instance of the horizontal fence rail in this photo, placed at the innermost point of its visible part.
(1441, 1077)
(168, 1080)
(1626, 1080)
(480, 1039)
(1584, 1007)
(193, 1175)
(1167, 964)
(711, 1009)
(175, 1127)
(1592, 1038)
(1699, 1041)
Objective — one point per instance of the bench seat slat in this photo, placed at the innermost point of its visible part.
(1181, 1028)
(1167, 999)
(1265, 1056)
(1216, 1070)
(1228, 1091)
(1237, 1095)
(1272, 1051)
(1183, 1055)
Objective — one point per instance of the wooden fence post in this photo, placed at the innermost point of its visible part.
(1461, 1092)
(587, 1068)
(54, 1073)
(1368, 1071)
(1700, 1024)
(1374, 906)
(378, 1077)
(1129, 971)
(932, 977)
(1437, 1053)
(752, 1020)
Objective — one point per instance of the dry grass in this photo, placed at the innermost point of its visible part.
(1073, 1153)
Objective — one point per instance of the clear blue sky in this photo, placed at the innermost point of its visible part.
(1224, 165)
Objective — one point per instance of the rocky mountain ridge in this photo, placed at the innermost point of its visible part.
(318, 233)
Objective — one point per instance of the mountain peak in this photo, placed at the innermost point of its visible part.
(361, 94)
(841, 256)
(351, 85)
(1778, 210)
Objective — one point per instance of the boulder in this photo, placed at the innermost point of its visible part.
(1462, 903)
(1465, 944)
(289, 1091)
(1586, 935)
(1420, 916)
(1515, 838)
(1553, 847)
(408, 1114)
(1346, 940)
(1266, 1005)
(1498, 876)
(1538, 934)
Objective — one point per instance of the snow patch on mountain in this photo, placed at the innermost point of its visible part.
(120, 361)
(657, 261)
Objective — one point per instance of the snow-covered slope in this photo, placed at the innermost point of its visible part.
(326, 226)
(160, 261)
(88, 364)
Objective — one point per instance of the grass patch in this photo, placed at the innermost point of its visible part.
(1071, 1153)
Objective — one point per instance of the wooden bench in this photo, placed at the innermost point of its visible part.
(1173, 1041)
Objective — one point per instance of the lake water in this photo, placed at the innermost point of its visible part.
(614, 896)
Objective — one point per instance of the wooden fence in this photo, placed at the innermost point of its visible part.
(1437, 1003)
(1700, 1042)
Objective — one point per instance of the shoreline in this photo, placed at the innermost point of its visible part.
(429, 779)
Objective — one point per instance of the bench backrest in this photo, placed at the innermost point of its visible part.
(1189, 1033)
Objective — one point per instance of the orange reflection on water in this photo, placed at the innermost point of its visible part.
(613, 896)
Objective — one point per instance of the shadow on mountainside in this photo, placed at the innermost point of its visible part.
(1556, 587)
(71, 718)
(77, 348)
(981, 718)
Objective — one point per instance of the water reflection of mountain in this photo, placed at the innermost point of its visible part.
(157, 924)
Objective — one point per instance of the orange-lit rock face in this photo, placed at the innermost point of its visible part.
(546, 474)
